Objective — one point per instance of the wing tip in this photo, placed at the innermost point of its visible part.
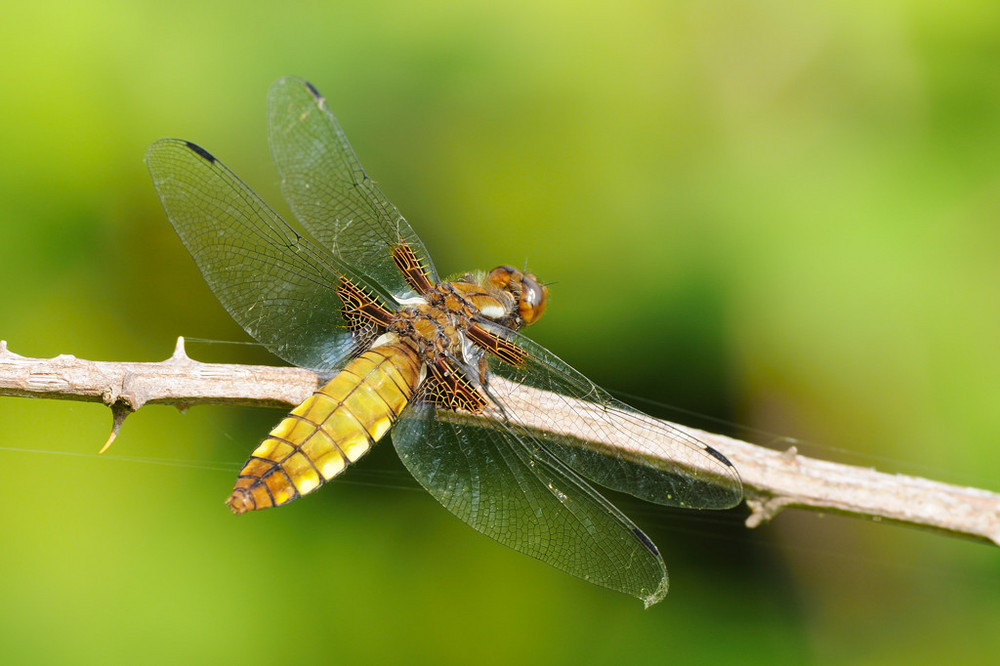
(658, 594)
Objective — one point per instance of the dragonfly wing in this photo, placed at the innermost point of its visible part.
(619, 447)
(503, 483)
(329, 192)
(276, 284)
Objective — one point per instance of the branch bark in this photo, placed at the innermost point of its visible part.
(773, 480)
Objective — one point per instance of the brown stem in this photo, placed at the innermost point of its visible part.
(773, 480)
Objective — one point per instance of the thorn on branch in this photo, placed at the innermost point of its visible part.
(180, 354)
(119, 410)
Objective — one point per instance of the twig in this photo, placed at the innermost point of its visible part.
(773, 480)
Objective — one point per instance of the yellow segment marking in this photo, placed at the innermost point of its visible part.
(303, 474)
(381, 427)
(273, 449)
(356, 446)
(331, 465)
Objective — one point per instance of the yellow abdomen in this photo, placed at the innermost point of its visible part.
(335, 426)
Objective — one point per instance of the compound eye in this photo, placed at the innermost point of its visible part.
(533, 299)
(501, 276)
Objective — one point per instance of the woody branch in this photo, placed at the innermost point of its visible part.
(773, 480)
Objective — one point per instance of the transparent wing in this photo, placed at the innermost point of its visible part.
(276, 284)
(646, 457)
(329, 192)
(504, 484)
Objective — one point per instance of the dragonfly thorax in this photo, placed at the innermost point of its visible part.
(437, 324)
(433, 332)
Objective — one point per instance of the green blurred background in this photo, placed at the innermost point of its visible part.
(778, 214)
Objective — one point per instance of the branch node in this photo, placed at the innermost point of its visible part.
(764, 510)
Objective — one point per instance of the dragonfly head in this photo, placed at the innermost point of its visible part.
(530, 296)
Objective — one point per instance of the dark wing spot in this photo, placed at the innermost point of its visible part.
(641, 536)
(718, 456)
(313, 91)
(201, 151)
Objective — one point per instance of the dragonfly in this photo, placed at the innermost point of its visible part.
(499, 430)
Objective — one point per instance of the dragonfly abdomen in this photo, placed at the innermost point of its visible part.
(334, 427)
